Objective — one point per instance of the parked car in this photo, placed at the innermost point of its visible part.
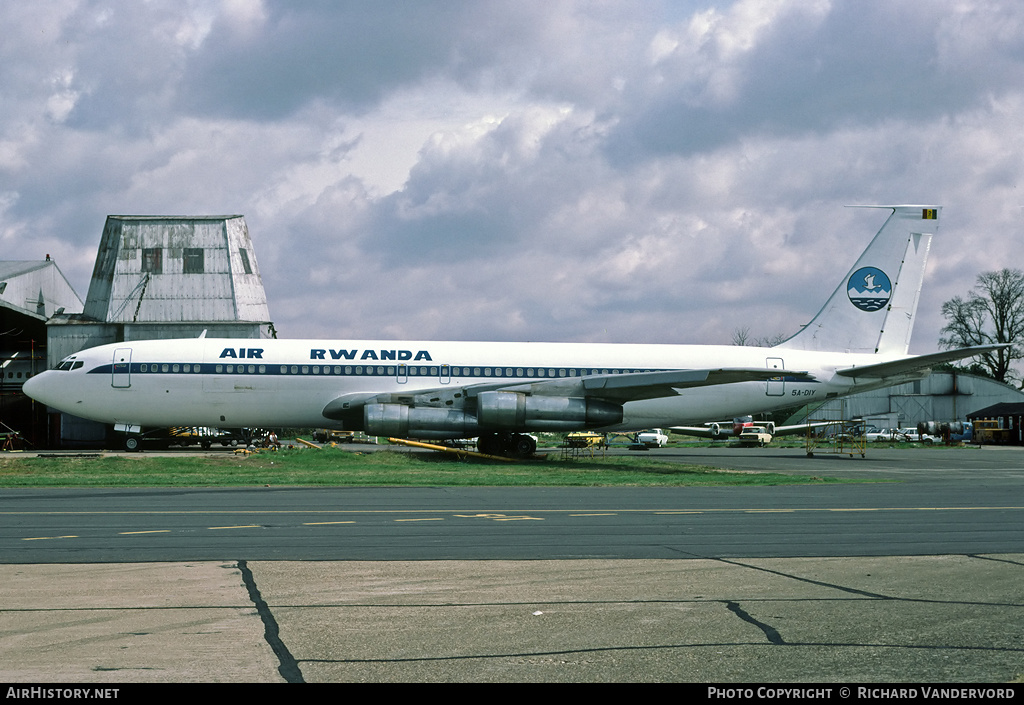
(913, 436)
(879, 435)
(652, 438)
(755, 436)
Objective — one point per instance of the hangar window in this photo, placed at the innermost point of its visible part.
(153, 260)
(246, 267)
(193, 260)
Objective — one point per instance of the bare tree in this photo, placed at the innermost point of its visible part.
(993, 312)
(741, 336)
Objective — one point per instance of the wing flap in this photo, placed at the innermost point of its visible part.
(636, 386)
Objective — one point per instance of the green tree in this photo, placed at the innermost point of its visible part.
(993, 312)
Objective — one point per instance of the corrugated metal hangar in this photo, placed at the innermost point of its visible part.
(155, 277)
(30, 293)
(942, 396)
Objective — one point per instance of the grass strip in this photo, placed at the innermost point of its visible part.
(332, 467)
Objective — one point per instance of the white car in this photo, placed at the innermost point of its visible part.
(755, 436)
(912, 435)
(652, 438)
(874, 435)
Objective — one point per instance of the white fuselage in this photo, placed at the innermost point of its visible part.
(287, 383)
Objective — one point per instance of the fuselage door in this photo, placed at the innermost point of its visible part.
(122, 368)
(776, 386)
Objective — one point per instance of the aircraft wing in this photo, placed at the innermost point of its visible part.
(636, 386)
(800, 428)
(718, 431)
(620, 388)
(918, 363)
(724, 430)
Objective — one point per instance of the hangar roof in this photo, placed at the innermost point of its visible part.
(36, 288)
(173, 269)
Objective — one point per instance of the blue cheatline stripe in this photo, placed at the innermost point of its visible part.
(207, 368)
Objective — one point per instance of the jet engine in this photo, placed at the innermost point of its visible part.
(519, 412)
(495, 411)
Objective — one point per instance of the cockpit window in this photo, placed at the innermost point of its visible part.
(69, 364)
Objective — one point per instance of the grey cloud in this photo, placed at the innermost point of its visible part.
(858, 64)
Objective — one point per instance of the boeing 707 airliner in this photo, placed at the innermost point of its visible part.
(500, 392)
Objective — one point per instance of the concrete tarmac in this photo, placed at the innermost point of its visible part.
(883, 619)
(768, 620)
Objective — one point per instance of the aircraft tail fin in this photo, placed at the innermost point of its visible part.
(873, 308)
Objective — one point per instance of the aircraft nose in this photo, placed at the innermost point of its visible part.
(40, 387)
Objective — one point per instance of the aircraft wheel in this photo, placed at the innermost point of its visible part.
(131, 443)
(525, 446)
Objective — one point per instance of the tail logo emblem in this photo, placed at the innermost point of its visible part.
(869, 289)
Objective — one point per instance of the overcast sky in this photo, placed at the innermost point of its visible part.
(576, 170)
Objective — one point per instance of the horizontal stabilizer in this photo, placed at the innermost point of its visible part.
(916, 364)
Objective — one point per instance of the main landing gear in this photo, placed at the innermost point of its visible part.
(511, 445)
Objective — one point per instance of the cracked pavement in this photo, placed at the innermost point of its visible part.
(951, 618)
